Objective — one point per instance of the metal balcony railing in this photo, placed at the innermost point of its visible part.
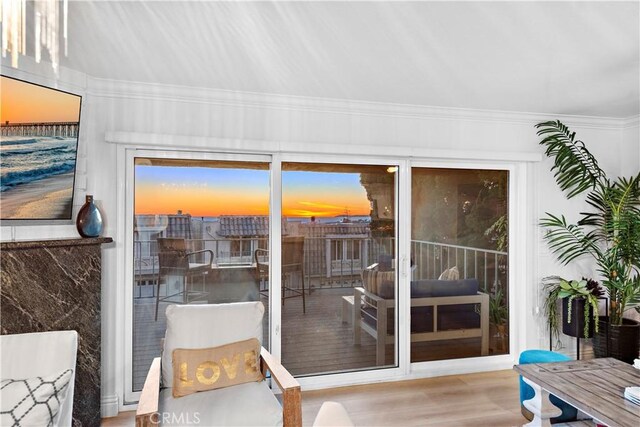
(486, 265)
(332, 262)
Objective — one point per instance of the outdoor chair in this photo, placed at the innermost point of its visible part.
(292, 265)
(177, 265)
(440, 310)
(38, 373)
(261, 258)
(209, 327)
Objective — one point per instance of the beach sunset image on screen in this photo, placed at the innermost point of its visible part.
(38, 145)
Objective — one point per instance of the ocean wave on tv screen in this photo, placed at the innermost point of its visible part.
(16, 140)
(28, 159)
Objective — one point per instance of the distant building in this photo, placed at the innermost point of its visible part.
(332, 250)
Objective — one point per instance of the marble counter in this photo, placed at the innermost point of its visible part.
(56, 285)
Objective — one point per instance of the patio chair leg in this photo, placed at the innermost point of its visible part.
(304, 309)
(185, 287)
(157, 298)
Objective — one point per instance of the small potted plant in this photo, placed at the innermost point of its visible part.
(498, 316)
(579, 303)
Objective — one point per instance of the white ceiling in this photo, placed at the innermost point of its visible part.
(561, 58)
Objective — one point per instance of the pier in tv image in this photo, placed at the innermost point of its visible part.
(38, 148)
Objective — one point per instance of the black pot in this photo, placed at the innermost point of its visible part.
(576, 327)
(621, 342)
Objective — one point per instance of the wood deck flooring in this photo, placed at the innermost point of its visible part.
(314, 342)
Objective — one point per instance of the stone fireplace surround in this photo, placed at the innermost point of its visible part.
(56, 285)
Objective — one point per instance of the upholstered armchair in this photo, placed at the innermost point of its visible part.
(38, 373)
(210, 326)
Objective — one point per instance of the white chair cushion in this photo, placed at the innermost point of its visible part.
(249, 404)
(33, 401)
(208, 325)
(41, 354)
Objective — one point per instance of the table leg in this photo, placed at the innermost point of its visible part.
(346, 313)
(540, 406)
(357, 297)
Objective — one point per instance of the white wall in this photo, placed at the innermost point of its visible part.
(306, 125)
(262, 123)
(630, 147)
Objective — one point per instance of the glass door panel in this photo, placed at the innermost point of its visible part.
(338, 267)
(459, 255)
(199, 229)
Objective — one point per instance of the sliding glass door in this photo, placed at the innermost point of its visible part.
(339, 280)
(459, 256)
(318, 244)
(198, 228)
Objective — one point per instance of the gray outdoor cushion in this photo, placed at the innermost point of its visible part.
(443, 288)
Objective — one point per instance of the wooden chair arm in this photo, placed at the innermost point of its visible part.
(148, 404)
(291, 396)
(478, 298)
(368, 294)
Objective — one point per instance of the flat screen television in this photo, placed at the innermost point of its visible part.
(39, 129)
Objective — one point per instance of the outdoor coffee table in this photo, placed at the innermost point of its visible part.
(595, 387)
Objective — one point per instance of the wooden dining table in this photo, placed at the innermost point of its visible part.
(595, 387)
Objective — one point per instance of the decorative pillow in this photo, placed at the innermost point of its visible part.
(450, 274)
(33, 401)
(378, 282)
(215, 367)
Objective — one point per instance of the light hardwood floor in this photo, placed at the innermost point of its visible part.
(483, 399)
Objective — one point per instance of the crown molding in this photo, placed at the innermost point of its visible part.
(253, 146)
(631, 122)
(108, 88)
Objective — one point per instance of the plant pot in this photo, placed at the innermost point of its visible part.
(498, 338)
(576, 327)
(621, 342)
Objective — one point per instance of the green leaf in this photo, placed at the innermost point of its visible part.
(575, 168)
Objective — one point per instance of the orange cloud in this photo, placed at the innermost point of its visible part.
(323, 209)
(320, 205)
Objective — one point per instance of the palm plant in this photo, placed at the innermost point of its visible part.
(610, 233)
(498, 311)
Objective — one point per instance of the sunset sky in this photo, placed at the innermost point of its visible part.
(214, 192)
(28, 103)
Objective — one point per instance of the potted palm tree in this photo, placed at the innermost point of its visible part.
(610, 234)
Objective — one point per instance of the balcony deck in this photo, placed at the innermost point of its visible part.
(314, 342)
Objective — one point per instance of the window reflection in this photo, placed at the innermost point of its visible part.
(459, 250)
(333, 320)
(197, 225)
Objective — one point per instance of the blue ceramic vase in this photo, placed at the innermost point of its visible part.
(89, 221)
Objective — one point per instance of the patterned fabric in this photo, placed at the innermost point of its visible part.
(450, 274)
(32, 401)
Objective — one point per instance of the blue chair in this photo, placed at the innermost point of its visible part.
(569, 413)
